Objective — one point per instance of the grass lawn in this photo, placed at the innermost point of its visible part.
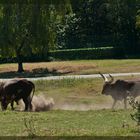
(71, 68)
(68, 123)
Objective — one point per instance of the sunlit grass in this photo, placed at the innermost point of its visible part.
(75, 67)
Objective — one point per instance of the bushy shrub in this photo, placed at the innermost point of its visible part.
(72, 54)
(136, 106)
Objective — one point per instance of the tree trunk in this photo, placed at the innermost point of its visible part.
(20, 63)
(20, 67)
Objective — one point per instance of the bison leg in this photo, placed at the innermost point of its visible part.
(12, 105)
(4, 104)
(30, 104)
(2, 107)
(26, 104)
(114, 103)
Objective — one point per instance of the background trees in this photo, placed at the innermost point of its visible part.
(33, 28)
(101, 23)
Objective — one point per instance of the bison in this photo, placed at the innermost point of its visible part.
(14, 90)
(120, 89)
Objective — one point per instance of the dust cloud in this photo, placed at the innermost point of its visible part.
(39, 103)
(43, 103)
(81, 107)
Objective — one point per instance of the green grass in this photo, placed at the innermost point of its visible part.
(69, 123)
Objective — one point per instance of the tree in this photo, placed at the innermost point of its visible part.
(15, 27)
(88, 26)
(101, 23)
(67, 32)
(57, 16)
(125, 33)
(24, 27)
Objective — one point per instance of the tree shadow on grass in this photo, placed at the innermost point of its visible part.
(38, 72)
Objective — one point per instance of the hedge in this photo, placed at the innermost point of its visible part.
(89, 53)
(73, 54)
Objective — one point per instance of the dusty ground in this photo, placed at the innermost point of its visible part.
(107, 104)
(42, 103)
(86, 107)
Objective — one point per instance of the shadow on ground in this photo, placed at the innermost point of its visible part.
(38, 72)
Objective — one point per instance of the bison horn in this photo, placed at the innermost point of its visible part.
(105, 78)
(112, 79)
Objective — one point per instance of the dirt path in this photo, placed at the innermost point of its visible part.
(79, 76)
(83, 76)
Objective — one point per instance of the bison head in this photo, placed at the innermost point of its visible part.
(4, 102)
(107, 87)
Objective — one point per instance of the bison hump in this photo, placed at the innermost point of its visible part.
(124, 84)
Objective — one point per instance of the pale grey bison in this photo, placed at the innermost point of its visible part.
(120, 89)
(14, 90)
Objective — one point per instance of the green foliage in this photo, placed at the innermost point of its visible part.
(28, 28)
(67, 33)
(101, 23)
(89, 53)
(136, 106)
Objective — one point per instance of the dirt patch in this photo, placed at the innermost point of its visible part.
(44, 69)
(73, 68)
(41, 67)
(81, 107)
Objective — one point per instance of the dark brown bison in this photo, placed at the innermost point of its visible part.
(14, 90)
(120, 89)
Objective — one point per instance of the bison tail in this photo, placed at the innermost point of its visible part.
(33, 89)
